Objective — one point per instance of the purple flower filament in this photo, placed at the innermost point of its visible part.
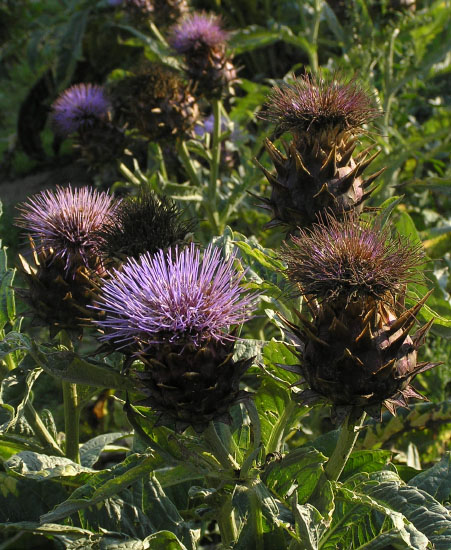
(79, 107)
(65, 221)
(175, 298)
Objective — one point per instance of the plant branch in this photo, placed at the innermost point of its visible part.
(218, 449)
(346, 440)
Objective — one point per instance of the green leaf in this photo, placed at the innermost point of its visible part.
(27, 499)
(163, 540)
(251, 38)
(15, 391)
(70, 47)
(436, 480)
(103, 485)
(28, 464)
(92, 449)
(310, 524)
(366, 461)
(299, 470)
(72, 368)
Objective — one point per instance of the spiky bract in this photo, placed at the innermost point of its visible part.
(202, 40)
(318, 171)
(190, 385)
(348, 259)
(65, 222)
(79, 107)
(356, 351)
(177, 297)
(56, 299)
(145, 223)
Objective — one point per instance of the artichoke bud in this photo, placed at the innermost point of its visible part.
(173, 311)
(64, 223)
(318, 170)
(356, 351)
(144, 223)
(157, 102)
(191, 385)
(56, 298)
(202, 41)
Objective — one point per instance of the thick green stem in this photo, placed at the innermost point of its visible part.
(276, 438)
(346, 440)
(313, 52)
(218, 449)
(40, 431)
(215, 160)
(71, 421)
(256, 518)
(226, 524)
(185, 159)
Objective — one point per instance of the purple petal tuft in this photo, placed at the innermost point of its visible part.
(177, 297)
(79, 107)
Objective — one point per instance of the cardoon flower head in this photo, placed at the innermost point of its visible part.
(145, 223)
(64, 222)
(158, 102)
(318, 171)
(343, 260)
(174, 311)
(177, 297)
(79, 107)
(200, 38)
(356, 351)
(312, 104)
(198, 31)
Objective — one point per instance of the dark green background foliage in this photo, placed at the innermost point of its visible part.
(138, 486)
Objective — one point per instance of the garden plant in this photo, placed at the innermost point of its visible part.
(234, 332)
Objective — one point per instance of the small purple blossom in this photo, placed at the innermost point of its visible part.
(78, 107)
(198, 30)
(177, 297)
(66, 222)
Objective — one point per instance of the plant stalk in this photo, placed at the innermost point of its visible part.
(346, 440)
(71, 421)
(218, 449)
(215, 160)
(40, 431)
(226, 523)
(71, 410)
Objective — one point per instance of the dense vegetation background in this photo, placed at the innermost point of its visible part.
(400, 52)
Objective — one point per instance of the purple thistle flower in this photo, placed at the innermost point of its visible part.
(351, 258)
(66, 222)
(174, 298)
(78, 107)
(311, 104)
(196, 31)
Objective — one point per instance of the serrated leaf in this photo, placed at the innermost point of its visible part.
(28, 464)
(104, 484)
(299, 470)
(436, 480)
(163, 540)
(72, 368)
(309, 523)
(15, 391)
(92, 449)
